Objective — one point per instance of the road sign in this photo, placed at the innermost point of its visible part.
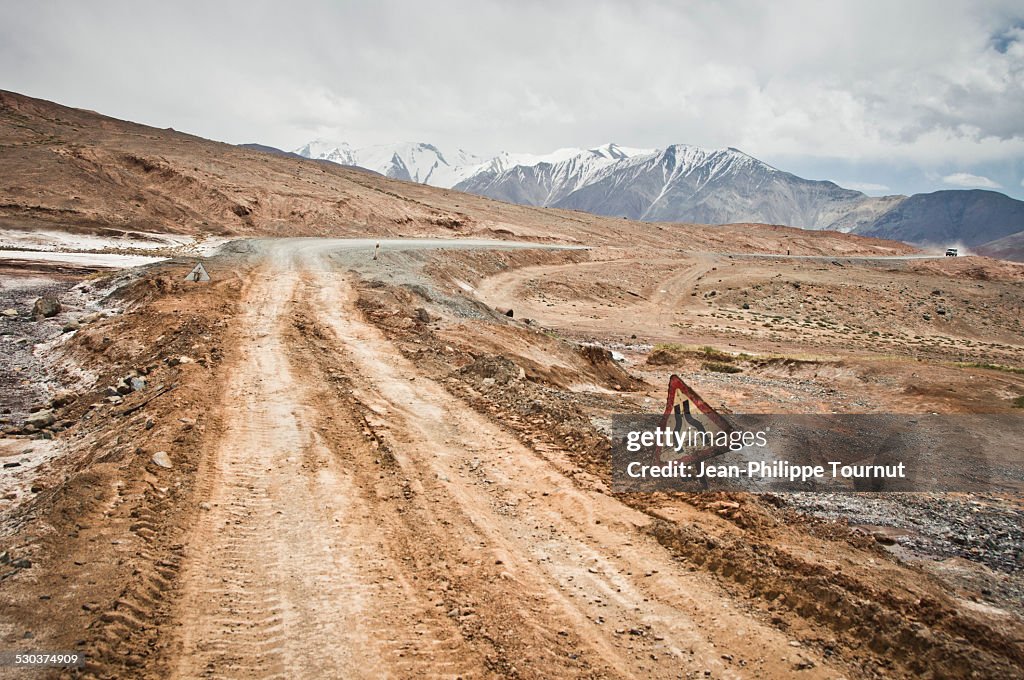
(198, 274)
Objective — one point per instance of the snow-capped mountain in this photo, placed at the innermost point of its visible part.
(319, 149)
(410, 161)
(680, 183)
(427, 164)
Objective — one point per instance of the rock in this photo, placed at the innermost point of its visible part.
(10, 313)
(174, 361)
(423, 315)
(491, 366)
(162, 459)
(137, 384)
(41, 419)
(46, 307)
(149, 424)
(70, 327)
(883, 538)
(124, 390)
(115, 399)
(63, 398)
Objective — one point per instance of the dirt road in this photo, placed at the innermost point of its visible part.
(362, 521)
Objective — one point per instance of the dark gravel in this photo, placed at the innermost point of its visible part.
(23, 374)
(984, 529)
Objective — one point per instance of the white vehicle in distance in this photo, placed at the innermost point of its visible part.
(951, 252)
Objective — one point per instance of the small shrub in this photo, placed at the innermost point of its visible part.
(712, 354)
(721, 367)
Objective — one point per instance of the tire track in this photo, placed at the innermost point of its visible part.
(285, 576)
(577, 564)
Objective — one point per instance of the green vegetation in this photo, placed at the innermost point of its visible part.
(713, 359)
(1018, 402)
(991, 367)
(721, 367)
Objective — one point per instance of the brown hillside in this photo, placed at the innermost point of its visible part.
(76, 169)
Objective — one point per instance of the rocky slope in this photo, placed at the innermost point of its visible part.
(684, 183)
(1007, 248)
(68, 169)
(970, 217)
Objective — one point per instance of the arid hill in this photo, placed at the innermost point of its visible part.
(79, 170)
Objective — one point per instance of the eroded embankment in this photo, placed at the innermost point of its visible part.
(102, 528)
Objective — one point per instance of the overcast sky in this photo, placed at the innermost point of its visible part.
(887, 97)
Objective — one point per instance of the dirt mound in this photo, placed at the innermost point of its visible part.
(609, 371)
(497, 369)
(104, 513)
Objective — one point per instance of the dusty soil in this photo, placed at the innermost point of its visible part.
(374, 472)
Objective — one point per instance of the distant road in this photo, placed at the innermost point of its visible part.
(830, 257)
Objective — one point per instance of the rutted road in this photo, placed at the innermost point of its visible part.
(364, 522)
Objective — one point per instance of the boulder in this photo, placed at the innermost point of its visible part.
(46, 307)
(41, 419)
(162, 459)
(63, 398)
(10, 313)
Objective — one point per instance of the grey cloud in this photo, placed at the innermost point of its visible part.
(936, 84)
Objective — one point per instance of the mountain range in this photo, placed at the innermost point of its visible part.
(685, 183)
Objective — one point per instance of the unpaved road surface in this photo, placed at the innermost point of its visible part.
(363, 522)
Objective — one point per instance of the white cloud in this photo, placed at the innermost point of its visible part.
(966, 179)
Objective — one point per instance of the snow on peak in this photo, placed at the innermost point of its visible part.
(613, 151)
(322, 149)
(429, 164)
(412, 161)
